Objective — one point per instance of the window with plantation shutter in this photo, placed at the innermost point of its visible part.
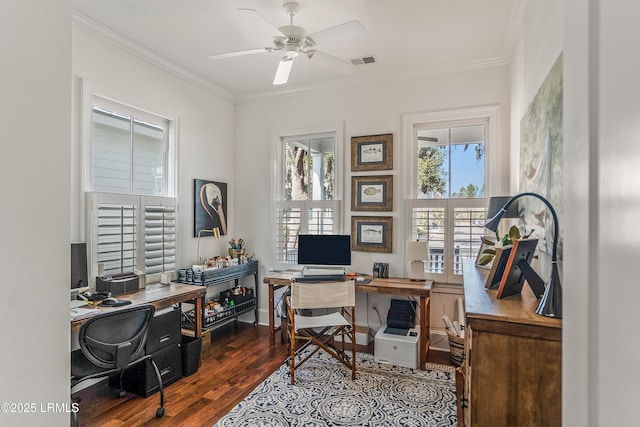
(130, 173)
(307, 186)
(133, 233)
(448, 179)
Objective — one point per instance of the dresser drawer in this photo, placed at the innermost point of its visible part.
(142, 380)
(164, 331)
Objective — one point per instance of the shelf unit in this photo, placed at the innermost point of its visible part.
(211, 319)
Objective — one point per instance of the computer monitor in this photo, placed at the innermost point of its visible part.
(79, 273)
(324, 249)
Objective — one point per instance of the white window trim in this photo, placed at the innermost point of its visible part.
(412, 121)
(284, 133)
(447, 118)
(91, 90)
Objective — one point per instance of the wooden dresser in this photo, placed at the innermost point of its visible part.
(513, 358)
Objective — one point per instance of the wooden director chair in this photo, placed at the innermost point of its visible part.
(322, 330)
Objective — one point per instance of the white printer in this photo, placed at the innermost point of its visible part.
(397, 347)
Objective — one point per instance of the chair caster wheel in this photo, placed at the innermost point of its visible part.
(159, 412)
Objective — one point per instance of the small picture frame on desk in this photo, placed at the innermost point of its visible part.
(497, 267)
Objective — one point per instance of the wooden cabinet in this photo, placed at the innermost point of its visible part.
(513, 358)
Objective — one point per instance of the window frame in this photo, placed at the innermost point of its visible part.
(489, 117)
(278, 138)
(122, 102)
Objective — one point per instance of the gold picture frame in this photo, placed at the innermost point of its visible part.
(372, 233)
(373, 152)
(372, 193)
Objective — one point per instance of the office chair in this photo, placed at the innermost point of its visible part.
(321, 330)
(109, 344)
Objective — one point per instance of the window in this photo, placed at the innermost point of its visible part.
(131, 213)
(447, 182)
(307, 188)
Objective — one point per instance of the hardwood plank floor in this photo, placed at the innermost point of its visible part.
(241, 358)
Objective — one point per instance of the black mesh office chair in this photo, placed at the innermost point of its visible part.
(110, 343)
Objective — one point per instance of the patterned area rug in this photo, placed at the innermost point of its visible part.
(325, 395)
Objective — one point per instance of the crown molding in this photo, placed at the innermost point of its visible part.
(87, 24)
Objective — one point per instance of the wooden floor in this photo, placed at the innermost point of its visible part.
(241, 358)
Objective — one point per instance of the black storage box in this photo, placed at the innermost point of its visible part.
(402, 314)
(118, 283)
(191, 348)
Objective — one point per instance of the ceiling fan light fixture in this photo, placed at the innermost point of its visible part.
(282, 73)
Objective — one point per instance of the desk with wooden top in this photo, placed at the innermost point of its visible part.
(160, 296)
(390, 286)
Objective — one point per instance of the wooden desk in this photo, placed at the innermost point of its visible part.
(160, 296)
(392, 286)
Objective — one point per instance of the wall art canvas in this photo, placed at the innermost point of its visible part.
(541, 160)
(210, 206)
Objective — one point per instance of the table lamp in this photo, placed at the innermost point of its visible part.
(417, 254)
(216, 234)
(551, 302)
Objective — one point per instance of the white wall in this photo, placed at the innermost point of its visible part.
(368, 109)
(205, 134)
(35, 117)
(602, 182)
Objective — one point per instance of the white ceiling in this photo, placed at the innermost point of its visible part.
(409, 38)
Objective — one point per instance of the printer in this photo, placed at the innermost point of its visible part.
(117, 284)
(396, 343)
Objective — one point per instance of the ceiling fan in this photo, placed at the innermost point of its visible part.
(295, 41)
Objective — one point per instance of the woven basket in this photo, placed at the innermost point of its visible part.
(456, 349)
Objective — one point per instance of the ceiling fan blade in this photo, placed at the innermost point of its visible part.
(340, 65)
(240, 52)
(268, 25)
(282, 73)
(339, 32)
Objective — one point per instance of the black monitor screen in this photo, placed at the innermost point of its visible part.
(324, 249)
(79, 275)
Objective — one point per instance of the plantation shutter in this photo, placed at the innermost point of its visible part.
(116, 229)
(159, 237)
(303, 217)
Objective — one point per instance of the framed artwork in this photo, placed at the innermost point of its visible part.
(371, 233)
(372, 193)
(210, 206)
(373, 152)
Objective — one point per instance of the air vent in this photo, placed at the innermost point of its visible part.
(363, 60)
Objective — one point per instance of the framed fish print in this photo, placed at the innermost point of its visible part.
(374, 152)
(371, 233)
(372, 193)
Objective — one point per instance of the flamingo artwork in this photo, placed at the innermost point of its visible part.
(211, 198)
